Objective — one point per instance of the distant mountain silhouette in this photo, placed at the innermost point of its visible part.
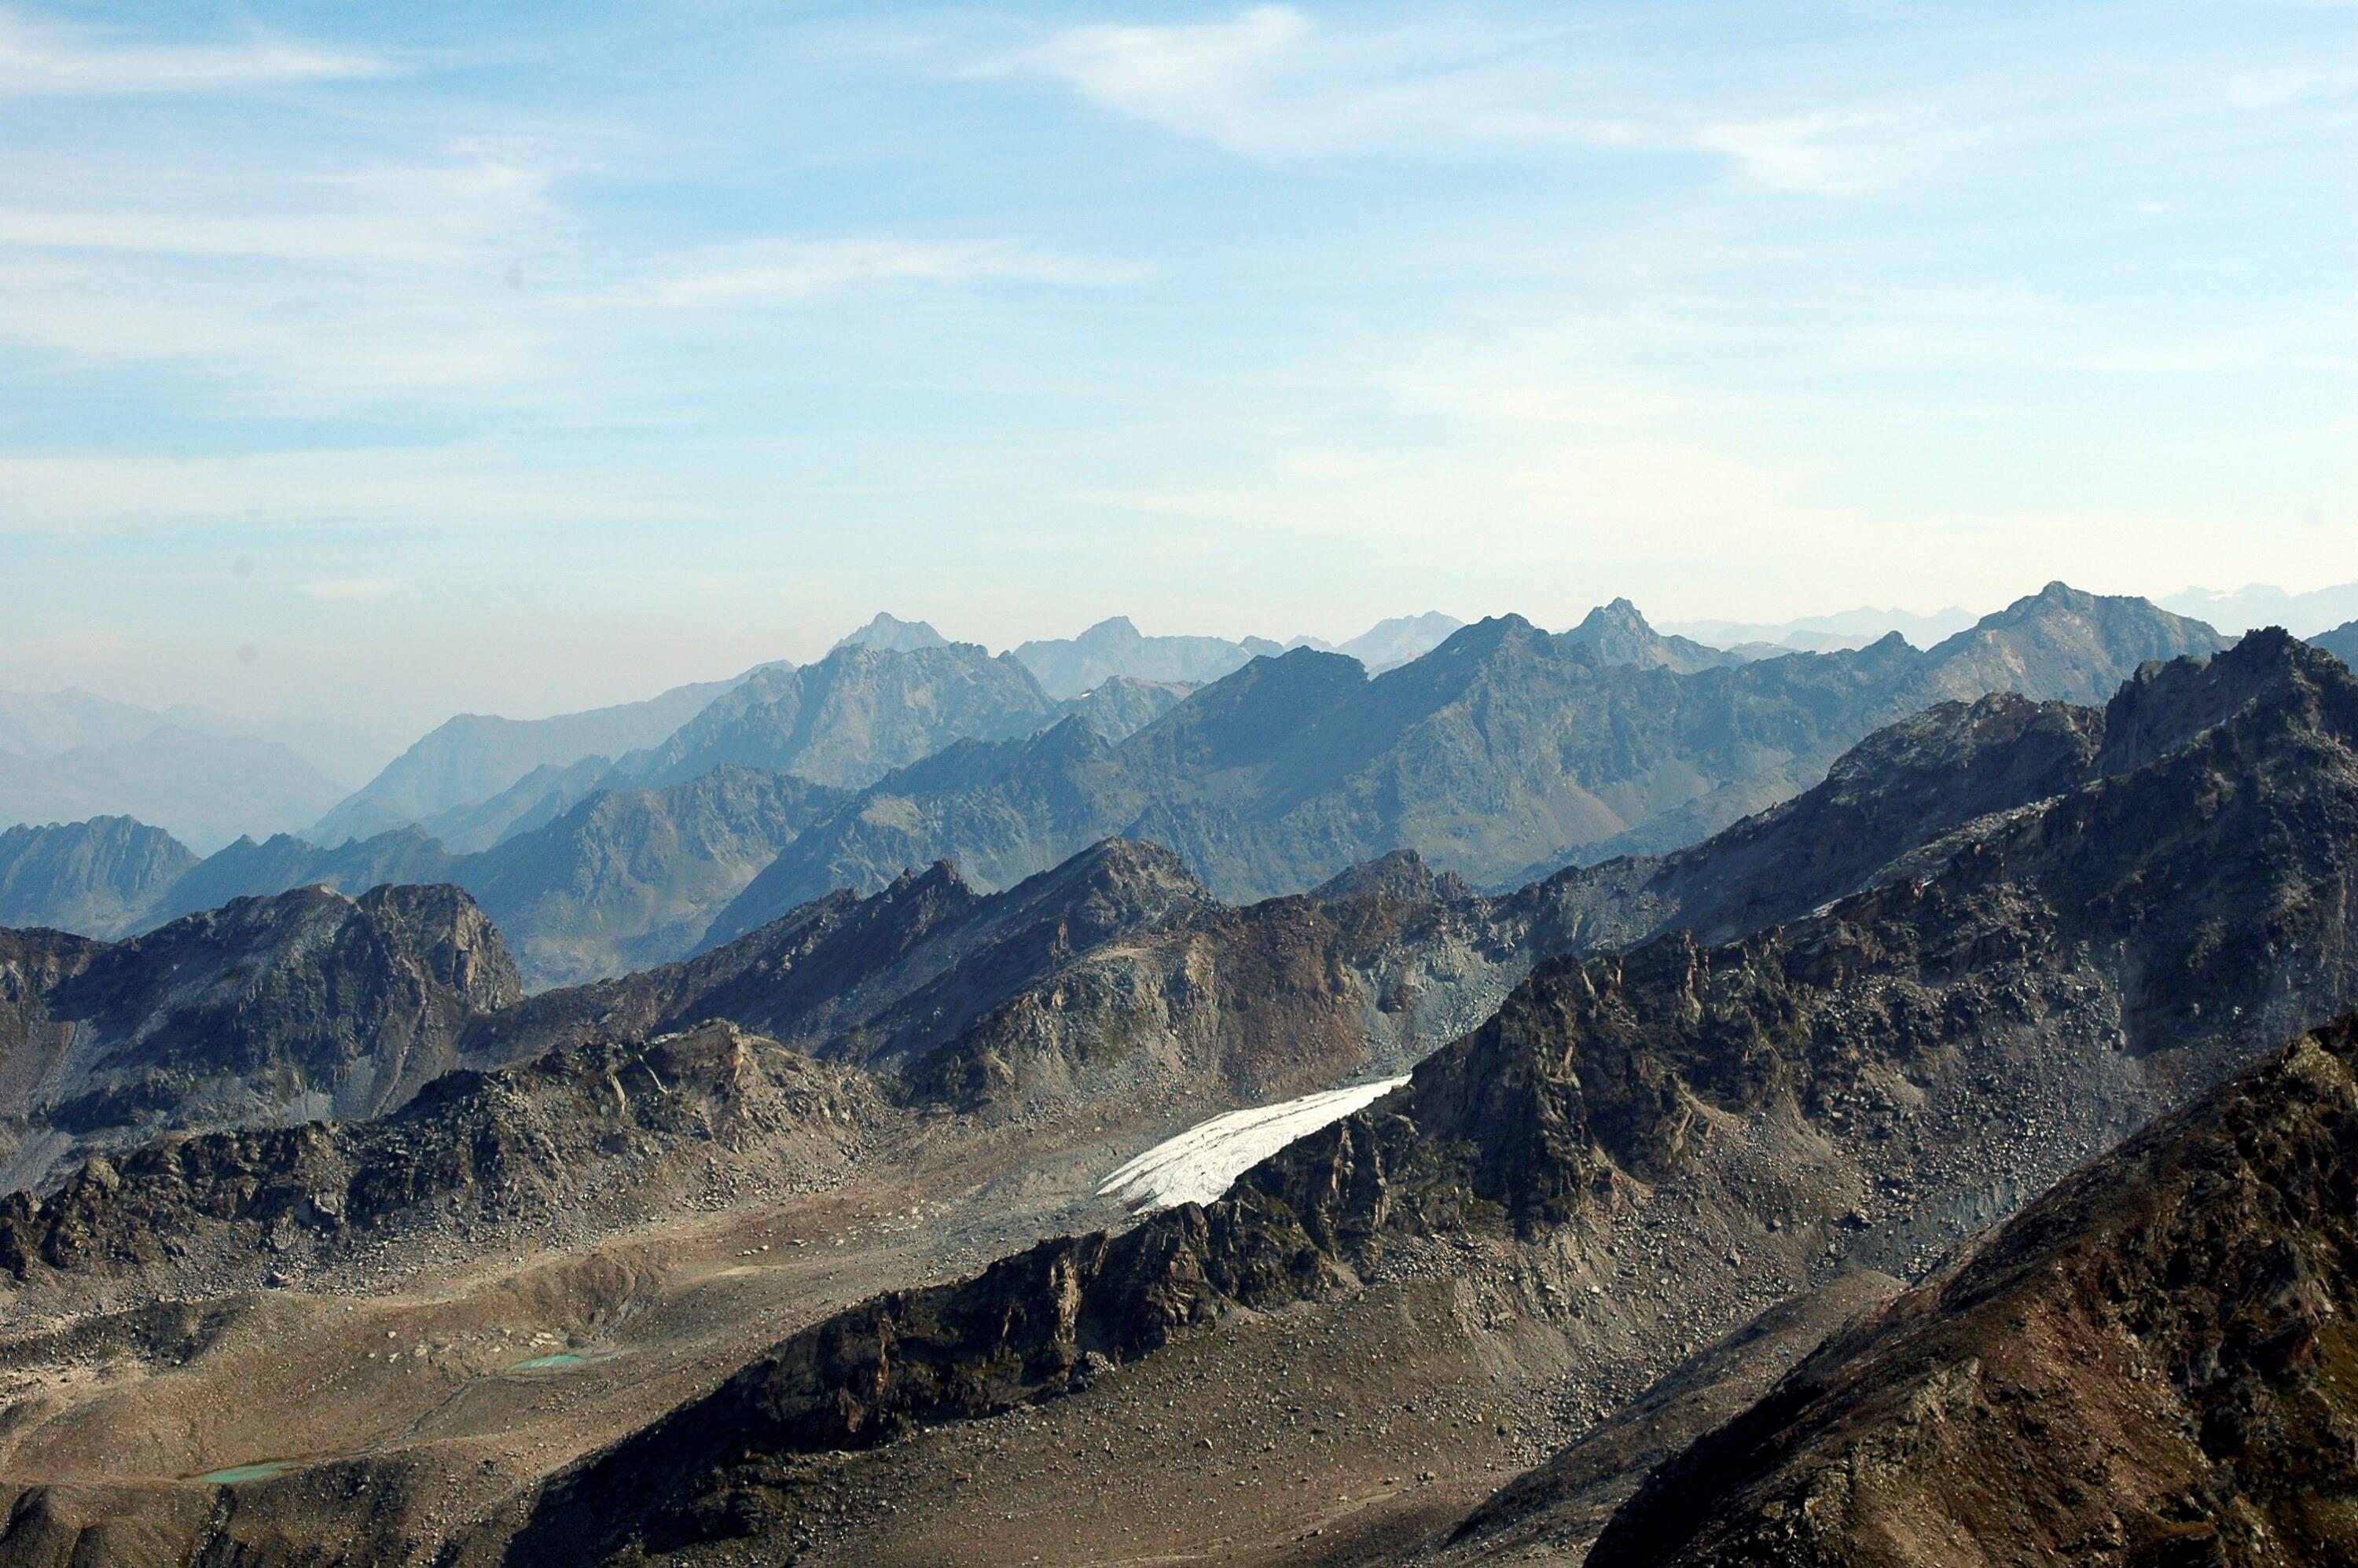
(204, 789)
(1826, 634)
(1398, 640)
(2261, 604)
(466, 760)
(1068, 666)
(100, 876)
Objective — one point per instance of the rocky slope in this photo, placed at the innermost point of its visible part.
(474, 756)
(1501, 754)
(603, 1135)
(2342, 643)
(1120, 707)
(853, 717)
(1641, 1150)
(1399, 638)
(632, 876)
(2152, 1364)
(267, 1012)
(1114, 979)
(97, 877)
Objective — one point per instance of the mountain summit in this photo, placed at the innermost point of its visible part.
(894, 635)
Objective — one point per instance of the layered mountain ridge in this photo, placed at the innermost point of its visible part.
(1865, 1085)
(1500, 755)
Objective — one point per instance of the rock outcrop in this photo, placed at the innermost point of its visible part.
(2150, 1365)
(267, 1010)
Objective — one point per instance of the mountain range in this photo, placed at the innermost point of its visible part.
(475, 756)
(1501, 754)
(204, 788)
(773, 1249)
(1825, 633)
(1645, 1151)
(2261, 604)
(2341, 642)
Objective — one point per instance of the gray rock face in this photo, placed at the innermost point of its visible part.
(97, 877)
(1120, 707)
(2059, 644)
(1618, 635)
(1398, 638)
(267, 1010)
(2342, 643)
(894, 635)
(632, 876)
(853, 717)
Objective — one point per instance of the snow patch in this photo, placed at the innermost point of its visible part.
(1203, 1161)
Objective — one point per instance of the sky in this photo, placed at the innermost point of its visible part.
(383, 362)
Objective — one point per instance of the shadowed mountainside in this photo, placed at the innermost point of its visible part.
(2151, 1363)
(265, 1011)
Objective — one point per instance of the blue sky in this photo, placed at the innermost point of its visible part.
(404, 359)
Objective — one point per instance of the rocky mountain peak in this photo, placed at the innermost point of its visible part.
(893, 635)
(2165, 703)
(1617, 633)
(1401, 876)
(263, 1011)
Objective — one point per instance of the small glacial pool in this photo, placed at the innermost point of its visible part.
(547, 1363)
(236, 1473)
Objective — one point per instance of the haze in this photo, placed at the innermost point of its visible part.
(384, 362)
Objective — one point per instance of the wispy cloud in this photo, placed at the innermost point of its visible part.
(1271, 83)
(788, 273)
(44, 58)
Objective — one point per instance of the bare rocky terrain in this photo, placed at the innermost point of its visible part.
(792, 1250)
(2151, 1363)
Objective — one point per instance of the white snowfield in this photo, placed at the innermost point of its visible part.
(1202, 1162)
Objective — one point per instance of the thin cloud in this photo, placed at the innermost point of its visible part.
(41, 58)
(788, 275)
(1270, 83)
